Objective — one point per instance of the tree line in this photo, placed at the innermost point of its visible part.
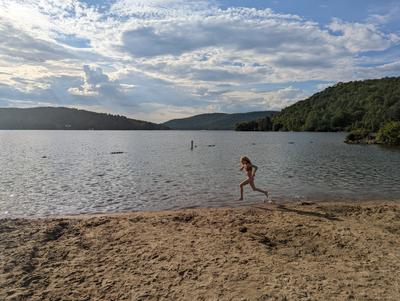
(366, 106)
(60, 118)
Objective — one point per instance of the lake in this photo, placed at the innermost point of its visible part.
(70, 172)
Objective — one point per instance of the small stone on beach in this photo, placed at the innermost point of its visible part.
(243, 229)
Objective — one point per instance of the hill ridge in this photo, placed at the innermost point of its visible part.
(366, 104)
(215, 121)
(63, 118)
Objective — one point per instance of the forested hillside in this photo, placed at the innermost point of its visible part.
(365, 105)
(215, 121)
(50, 118)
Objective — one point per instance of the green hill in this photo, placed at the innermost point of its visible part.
(367, 105)
(51, 118)
(215, 121)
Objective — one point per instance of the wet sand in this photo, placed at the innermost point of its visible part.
(322, 251)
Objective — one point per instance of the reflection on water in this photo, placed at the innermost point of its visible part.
(69, 172)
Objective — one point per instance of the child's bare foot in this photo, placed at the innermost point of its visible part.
(268, 199)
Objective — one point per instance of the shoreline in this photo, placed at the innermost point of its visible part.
(221, 207)
(309, 251)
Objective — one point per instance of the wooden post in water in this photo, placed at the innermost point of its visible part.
(191, 145)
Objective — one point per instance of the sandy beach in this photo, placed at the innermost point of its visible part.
(317, 251)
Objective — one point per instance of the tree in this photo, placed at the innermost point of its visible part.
(394, 111)
(264, 124)
(247, 126)
(312, 121)
(389, 134)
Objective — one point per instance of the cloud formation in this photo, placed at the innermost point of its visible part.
(96, 83)
(160, 59)
(358, 37)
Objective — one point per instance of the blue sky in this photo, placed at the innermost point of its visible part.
(323, 11)
(162, 59)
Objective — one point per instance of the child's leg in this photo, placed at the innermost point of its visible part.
(258, 189)
(245, 182)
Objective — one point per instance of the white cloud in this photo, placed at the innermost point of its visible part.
(95, 83)
(259, 100)
(385, 14)
(358, 37)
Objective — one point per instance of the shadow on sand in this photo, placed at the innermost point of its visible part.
(301, 212)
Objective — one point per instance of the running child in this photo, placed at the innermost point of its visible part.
(250, 169)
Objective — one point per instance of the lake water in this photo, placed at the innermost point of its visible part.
(70, 172)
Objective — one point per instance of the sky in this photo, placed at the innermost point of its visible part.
(161, 59)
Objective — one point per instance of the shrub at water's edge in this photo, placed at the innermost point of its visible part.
(359, 136)
(389, 134)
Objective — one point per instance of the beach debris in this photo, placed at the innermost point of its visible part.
(191, 145)
(184, 218)
(136, 219)
(243, 229)
(116, 153)
(304, 203)
(92, 223)
(264, 240)
(56, 232)
(211, 145)
(44, 157)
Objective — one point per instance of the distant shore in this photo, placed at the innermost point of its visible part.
(305, 251)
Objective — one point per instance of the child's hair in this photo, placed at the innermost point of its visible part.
(245, 159)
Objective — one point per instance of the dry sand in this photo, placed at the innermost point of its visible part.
(324, 251)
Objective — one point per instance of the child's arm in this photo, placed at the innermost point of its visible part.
(255, 169)
(241, 166)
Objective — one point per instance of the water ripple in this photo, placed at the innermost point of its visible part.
(70, 172)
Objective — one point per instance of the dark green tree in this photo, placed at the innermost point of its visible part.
(263, 124)
(247, 126)
(389, 134)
